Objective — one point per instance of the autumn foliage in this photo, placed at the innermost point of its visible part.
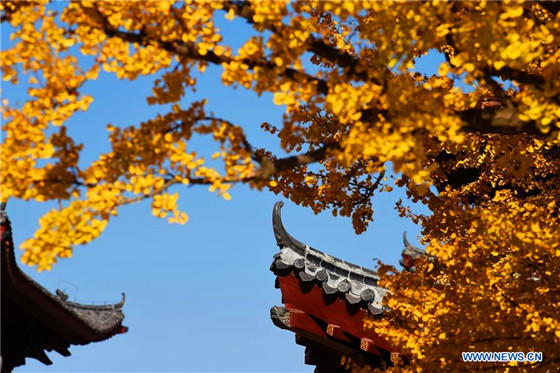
(478, 143)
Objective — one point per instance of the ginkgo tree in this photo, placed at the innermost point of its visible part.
(478, 143)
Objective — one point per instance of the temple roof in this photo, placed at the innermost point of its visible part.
(326, 302)
(35, 320)
(358, 285)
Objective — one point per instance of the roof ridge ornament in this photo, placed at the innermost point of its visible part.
(410, 254)
(107, 307)
(283, 238)
(62, 295)
(409, 246)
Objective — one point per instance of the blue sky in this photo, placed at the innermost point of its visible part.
(198, 295)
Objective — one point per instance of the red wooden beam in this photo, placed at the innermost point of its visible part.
(336, 312)
(301, 320)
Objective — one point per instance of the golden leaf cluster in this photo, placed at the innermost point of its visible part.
(478, 142)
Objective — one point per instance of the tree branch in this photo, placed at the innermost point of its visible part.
(189, 51)
(270, 167)
(519, 76)
(497, 121)
(318, 46)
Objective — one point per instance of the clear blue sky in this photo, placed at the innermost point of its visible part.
(198, 295)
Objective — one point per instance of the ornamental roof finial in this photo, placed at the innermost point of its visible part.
(283, 238)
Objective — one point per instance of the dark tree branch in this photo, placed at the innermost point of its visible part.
(317, 46)
(246, 144)
(270, 167)
(519, 76)
(368, 193)
(497, 121)
(189, 51)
